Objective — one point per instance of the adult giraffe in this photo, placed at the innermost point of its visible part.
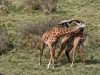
(73, 41)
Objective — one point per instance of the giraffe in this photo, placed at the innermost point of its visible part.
(73, 41)
(50, 38)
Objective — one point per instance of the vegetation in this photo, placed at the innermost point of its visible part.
(23, 22)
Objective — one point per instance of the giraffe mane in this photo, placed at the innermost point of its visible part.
(77, 20)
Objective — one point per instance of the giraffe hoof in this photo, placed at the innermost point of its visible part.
(39, 63)
(71, 66)
(48, 66)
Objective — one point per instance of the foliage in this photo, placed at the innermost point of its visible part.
(5, 41)
(4, 7)
(3, 10)
(46, 6)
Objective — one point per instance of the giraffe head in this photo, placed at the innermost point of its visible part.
(80, 23)
(65, 23)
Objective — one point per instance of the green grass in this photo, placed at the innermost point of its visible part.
(23, 60)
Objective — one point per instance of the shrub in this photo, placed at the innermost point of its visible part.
(5, 41)
(49, 5)
(31, 32)
(46, 6)
(3, 10)
(4, 7)
(30, 5)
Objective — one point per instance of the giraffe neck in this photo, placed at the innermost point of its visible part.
(66, 31)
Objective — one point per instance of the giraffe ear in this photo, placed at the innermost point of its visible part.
(81, 25)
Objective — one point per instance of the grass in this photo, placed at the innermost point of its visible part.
(26, 63)
(23, 60)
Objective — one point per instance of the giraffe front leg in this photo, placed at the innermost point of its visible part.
(51, 56)
(51, 60)
(48, 66)
(74, 54)
(81, 54)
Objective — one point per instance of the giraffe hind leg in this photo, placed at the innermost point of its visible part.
(68, 51)
(41, 51)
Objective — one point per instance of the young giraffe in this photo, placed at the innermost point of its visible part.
(73, 41)
(50, 38)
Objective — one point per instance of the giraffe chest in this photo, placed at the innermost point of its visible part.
(50, 40)
(50, 37)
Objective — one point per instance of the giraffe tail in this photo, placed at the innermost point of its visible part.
(41, 50)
